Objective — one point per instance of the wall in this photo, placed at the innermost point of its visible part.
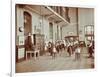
(71, 28)
(37, 22)
(54, 32)
(19, 35)
(44, 25)
(19, 20)
(46, 29)
(86, 17)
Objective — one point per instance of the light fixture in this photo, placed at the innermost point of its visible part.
(21, 29)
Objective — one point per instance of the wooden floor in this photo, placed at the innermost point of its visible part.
(61, 62)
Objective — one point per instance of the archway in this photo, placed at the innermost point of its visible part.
(27, 31)
(27, 23)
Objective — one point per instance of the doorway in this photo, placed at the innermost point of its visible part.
(27, 31)
(27, 23)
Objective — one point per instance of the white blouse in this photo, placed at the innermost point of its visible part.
(78, 50)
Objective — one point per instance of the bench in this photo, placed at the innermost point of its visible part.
(33, 52)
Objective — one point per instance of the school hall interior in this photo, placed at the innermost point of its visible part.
(53, 38)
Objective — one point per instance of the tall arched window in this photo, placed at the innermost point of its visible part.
(89, 32)
(51, 30)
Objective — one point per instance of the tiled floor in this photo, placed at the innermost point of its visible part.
(61, 62)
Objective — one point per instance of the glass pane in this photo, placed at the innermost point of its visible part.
(89, 30)
(89, 38)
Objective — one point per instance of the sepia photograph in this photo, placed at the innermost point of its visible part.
(53, 38)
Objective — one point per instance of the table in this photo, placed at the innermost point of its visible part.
(33, 52)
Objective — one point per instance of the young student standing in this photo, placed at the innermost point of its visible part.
(54, 52)
(77, 52)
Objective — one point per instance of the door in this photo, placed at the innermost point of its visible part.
(27, 31)
(27, 23)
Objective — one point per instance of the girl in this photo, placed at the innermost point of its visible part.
(77, 52)
(54, 52)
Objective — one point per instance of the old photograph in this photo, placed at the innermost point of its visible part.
(53, 38)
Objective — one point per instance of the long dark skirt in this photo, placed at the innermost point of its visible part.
(90, 51)
(69, 50)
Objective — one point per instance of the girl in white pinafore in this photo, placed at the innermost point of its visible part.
(77, 53)
(54, 52)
